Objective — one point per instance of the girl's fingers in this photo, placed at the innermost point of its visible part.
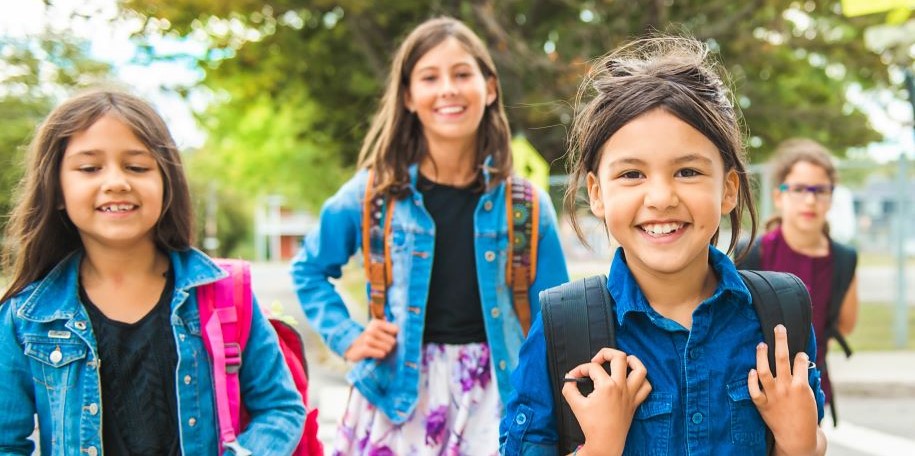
(637, 373)
(756, 394)
(606, 355)
(782, 358)
(642, 393)
(762, 366)
(801, 364)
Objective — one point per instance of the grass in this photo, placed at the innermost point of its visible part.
(875, 329)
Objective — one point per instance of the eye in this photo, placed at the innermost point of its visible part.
(427, 78)
(464, 75)
(688, 172)
(137, 168)
(88, 169)
(632, 174)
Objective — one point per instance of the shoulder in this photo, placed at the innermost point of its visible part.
(350, 195)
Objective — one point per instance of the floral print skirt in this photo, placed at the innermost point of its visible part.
(457, 414)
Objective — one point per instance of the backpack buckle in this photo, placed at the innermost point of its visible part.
(236, 448)
(233, 357)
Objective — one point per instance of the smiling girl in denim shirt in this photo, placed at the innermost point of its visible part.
(430, 377)
(99, 329)
(659, 150)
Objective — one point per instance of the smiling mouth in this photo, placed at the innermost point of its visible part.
(661, 229)
(450, 110)
(117, 208)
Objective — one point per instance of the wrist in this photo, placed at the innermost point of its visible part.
(596, 450)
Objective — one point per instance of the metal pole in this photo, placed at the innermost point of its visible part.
(902, 316)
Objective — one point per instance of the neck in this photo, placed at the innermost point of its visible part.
(450, 163)
(676, 295)
(809, 243)
(120, 265)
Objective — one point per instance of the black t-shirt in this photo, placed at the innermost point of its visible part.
(138, 362)
(454, 313)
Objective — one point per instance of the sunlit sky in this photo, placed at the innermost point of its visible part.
(109, 38)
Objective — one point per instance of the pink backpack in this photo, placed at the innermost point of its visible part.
(225, 317)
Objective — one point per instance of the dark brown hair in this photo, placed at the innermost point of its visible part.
(670, 73)
(791, 152)
(395, 139)
(39, 233)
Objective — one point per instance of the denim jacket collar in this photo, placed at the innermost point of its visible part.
(191, 268)
(630, 298)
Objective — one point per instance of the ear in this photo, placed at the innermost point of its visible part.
(777, 198)
(731, 190)
(408, 102)
(491, 90)
(594, 196)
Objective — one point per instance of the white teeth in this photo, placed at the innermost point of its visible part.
(451, 110)
(659, 229)
(118, 208)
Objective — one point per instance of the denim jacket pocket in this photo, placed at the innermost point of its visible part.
(54, 361)
(747, 426)
(651, 425)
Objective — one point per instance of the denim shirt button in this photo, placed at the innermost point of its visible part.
(694, 353)
(80, 325)
(495, 312)
(192, 422)
(93, 409)
(521, 418)
(487, 205)
(489, 255)
(92, 451)
(502, 365)
(187, 379)
(55, 356)
(697, 418)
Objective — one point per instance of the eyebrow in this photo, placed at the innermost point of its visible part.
(435, 67)
(94, 152)
(677, 161)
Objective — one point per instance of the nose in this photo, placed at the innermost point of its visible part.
(449, 87)
(116, 181)
(661, 194)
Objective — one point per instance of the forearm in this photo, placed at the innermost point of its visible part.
(820, 449)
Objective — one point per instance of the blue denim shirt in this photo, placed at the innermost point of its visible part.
(65, 390)
(699, 403)
(392, 383)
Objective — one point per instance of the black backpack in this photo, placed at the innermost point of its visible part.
(579, 319)
(845, 260)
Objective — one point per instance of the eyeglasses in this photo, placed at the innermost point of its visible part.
(799, 191)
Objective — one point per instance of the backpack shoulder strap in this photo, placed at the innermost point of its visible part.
(780, 298)
(578, 320)
(376, 228)
(752, 260)
(225, 308)
(523, 211)
(845, 261)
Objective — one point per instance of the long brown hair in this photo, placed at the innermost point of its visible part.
(39, 233)
(672, 73)
(791, 152)
(395, 139)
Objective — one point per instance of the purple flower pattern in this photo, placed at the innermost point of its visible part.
(457, 413)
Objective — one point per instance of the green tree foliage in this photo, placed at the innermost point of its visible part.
(304, 76)
(34, 73)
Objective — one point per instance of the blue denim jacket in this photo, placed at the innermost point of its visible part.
(699, 403)
(65, 390)
(392, 383)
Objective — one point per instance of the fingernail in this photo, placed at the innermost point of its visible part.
(780, 329)
(761, 346)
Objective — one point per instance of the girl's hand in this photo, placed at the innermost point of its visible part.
(786, 402)
(376, 341)
(606, 414)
